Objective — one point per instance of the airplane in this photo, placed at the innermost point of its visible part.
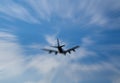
(60, 49)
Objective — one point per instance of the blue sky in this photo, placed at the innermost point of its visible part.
(26, 26)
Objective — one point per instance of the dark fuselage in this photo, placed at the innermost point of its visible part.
(60, 50)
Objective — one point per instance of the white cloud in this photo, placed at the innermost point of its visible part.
(35, 46)
(80, 72)
(11, 59)
(49, 66)
(14, 10)
(98, 19)
(82, 11)
(8, 37)
(87, 41)
(46, 9)
(44, 64)
(60, 67)
(51, 39)
(42, 7)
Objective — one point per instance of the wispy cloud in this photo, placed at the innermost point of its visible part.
(90, 12)
(42, 7)
(84, 12)
(87, 41)
(51, 39)
(16, 11)
(94, 71)
(62, 68)
(11, 59)
(54, 67)
(46, 66)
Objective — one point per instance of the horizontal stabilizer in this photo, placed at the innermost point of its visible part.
(62, 45)
(54, 46)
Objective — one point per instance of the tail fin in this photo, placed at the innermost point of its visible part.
(54, 46)
(58, 42)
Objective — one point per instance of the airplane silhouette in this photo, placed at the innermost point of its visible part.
(60, 49)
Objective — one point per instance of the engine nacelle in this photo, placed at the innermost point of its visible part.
(56, 53)
(69, 52)
(74, 50)
(50, 52)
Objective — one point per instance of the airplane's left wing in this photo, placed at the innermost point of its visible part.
(72, 49)
(50, 51)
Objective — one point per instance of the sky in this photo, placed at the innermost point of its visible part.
(27, 26)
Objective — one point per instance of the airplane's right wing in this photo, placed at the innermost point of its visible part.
(72, 49)
(50, 51)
